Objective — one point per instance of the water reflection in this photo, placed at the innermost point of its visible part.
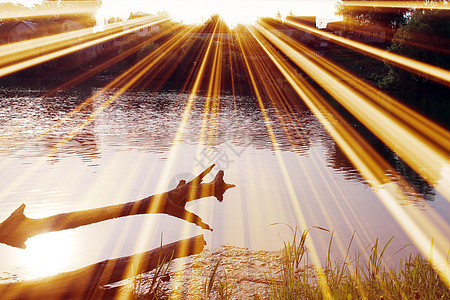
(48, 254)
(148, 121)
(119, 155)
(27, 120)
(339, 161)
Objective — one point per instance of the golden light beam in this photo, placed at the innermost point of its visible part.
(211, 94)
(371, 171)
(40, 50)
(422, 145)
(434, 73)
(325, 289)
(276, 97)
(126, 81)
(276, 57)
(372, 167)
(46, 11)
(215, 92)
(398, 4)
(233, 90)
(424, 127)
(89, 73)
(104, 65)
(187, 110)
(23, 50)
(114, 84)
(209, 126)
(123, 82)
(131, 77)
(145, 231)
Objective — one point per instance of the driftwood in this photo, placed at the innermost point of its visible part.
(85, 283)
(17, 228)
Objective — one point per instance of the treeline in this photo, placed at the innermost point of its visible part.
(421, 34)
(175, 53)
(47, 15)
(418, 33)
(178, 65)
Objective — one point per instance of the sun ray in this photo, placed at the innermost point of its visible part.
(399, 4)
(145, 233)
(434, 73)
(388, 191)
(277, 98)
(420, 132)
(417, 140)
(325, 289)
(40, 50)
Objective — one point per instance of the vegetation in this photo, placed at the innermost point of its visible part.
(420, 34)
(356, 278)
(423, 37)
(152, 289)
(387, 17)
(363, 275)
(50, 11)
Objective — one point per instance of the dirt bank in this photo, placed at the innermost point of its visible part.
(241, 274)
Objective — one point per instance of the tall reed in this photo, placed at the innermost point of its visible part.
(357, 278)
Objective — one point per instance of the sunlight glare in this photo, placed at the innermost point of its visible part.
(232, 12)
(48, 254)
(415, 140)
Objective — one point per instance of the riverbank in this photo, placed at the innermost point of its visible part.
(240, 274)
(237, 273)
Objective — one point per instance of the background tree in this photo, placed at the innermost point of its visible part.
(215, 24)
(10, 10)
(423, 37)
(83, 10)
(278, 15)
(146, 50)
(385, 16)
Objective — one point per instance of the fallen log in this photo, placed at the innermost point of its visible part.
(17, 228)
(85, 283)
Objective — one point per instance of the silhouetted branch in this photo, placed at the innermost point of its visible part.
(17, 228)
(84, 283)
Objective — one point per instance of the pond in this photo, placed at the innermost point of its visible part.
(56, 158)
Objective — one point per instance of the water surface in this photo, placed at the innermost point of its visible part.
(131, 149)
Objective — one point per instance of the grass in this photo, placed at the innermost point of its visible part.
(360, 276)
(414, 278)
(209, 282)
(223, 287)
(151, 290)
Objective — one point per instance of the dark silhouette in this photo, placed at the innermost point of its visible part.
(17, 228)
(89, 280)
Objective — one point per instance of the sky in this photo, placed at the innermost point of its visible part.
(232, 11)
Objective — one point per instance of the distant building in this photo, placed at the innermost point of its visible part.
(301, 34)
(303, 20)
(70, 25)
(86, 54)
(139, 19)
(337, 27)
(16, 31)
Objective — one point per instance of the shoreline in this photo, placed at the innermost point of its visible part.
(234, 272)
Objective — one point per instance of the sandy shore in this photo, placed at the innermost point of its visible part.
(241, 273)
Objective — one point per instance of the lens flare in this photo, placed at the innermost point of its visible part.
(272, 61)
